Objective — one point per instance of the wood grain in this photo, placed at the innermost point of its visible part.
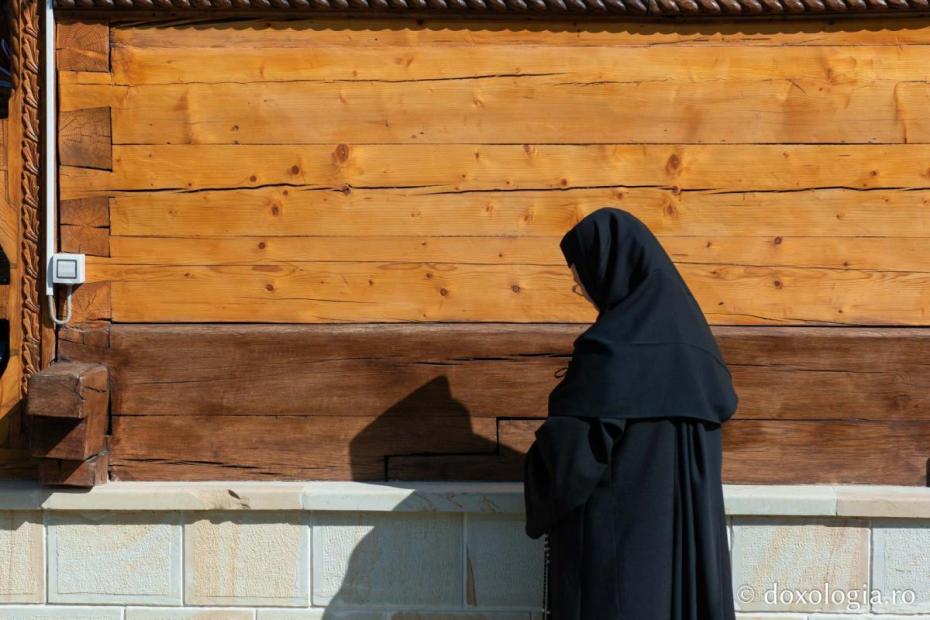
(84, 228)
(493, 369)
(828, 252)
(84, 240)
(75, 390)
(794, 452)
(395, 292)
(84, 474)
(93, 212)
(82, 45)
(85, 138)
(30, 343)
(90, 301)
(334, 170)
(459, 167)
(284, 447)
(760, 111)
(337, 401)
(65, 438)
(68, 409)
(849, 452)
(669, 211)
(396, 62)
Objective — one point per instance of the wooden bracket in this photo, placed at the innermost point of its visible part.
(68, 405)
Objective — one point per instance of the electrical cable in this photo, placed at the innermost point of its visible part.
(53, 312)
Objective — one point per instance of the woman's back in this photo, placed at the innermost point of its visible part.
(650, 542)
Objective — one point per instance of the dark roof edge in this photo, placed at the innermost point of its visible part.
(522, 8)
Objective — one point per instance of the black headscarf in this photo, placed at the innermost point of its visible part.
(650, 353)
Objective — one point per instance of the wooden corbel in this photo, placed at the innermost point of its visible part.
(68, 405)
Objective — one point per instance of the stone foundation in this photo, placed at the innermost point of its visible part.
(419, 551)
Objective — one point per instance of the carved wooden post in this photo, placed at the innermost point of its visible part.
(68, 404)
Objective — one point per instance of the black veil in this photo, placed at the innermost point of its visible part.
(650, 353)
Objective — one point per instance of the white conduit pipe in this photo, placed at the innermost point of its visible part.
(51, 150)
(51, 163)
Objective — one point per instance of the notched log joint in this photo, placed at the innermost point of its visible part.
(68, 409)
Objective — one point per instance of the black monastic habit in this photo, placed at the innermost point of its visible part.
(624, 476)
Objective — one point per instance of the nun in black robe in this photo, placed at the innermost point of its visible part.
(624, 476)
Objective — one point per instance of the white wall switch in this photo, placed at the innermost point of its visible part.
(67, 268)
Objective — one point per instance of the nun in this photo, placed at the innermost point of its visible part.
(623, 478)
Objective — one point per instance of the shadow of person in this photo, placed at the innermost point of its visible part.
(439, 551)
(429, 435)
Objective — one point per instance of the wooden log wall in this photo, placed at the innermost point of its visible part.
(362, 170)
(369, 401)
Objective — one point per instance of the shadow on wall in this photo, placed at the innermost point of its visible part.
(419, 563)
(429, 435)
(420, 558)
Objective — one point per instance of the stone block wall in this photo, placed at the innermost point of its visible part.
(353, 551)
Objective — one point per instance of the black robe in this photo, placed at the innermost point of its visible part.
(624, 476)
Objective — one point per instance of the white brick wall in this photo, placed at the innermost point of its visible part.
(379, 560)
(502, 565)
(300, 552)
(114, 557)
(901, 563)
(247, 559)
(782, 564)
(22, 549)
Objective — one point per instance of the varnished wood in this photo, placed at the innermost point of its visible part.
(68, 406)
(90, 301)
(489, 380)
(363, 291)
(85, 240)
(841, 452)
(82, 45)
(90, 337)
(479, 210)
(74, 390)
(713, 111)
(830, 252)
(85, 139)
(303, 174)
(494, 370)
(30, 334)
(84, 226)
(66, 439)
(457, 168)
(800, 452)
(93, 212)
(83, 474)
(364, 55)
(285, 447)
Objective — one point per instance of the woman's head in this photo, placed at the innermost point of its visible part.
(578, 287)
(610, 253)
(650, 353)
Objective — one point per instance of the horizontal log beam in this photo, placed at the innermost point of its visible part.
(434, 401)
(492, 369)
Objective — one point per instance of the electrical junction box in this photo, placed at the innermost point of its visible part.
(67, 268)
